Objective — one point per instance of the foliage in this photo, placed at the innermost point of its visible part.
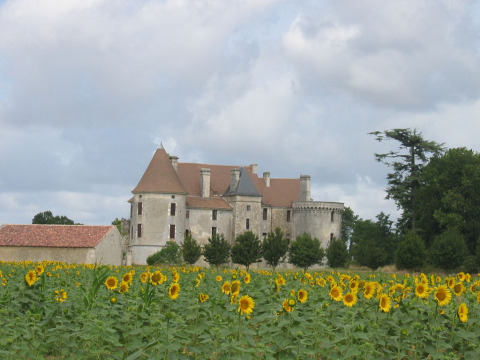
(191, 250)
(274, 248)
(47, 217)
(305, 252)
(169, 255)
(448, 250)
(125, 324)
(348, 222)
(449, 196)
(374, 243)
(247, 249)
(217, 250)
(407, 164)
(411, 252)
(337, 253)
(119, 224)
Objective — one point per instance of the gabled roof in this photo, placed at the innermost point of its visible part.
(208, 203)
(160, 176)
(71, 236)
(244, 186)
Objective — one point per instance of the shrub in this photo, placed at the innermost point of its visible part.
(448, 250)
(247, 249)
(169, 255)
(191, 251)
(217, 250)
(305, 252)
(411, 252)
(274, 248)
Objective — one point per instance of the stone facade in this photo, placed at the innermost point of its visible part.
(173, 198)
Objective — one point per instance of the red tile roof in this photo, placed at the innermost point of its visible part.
(209, 203)
(160, 176)
(72, 236)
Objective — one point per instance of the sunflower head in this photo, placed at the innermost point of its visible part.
(245, 305)
(463, 312)
(174, 291)
(443, 295)
(124, 287)
(302, 295)
(127, 278)
(458, 289)
(350, 299)
(111, 283)
(235, 287)
(385, 303)
(421, 291)
(336, 293)
(286, 306)
(226, 287)
(203, 297)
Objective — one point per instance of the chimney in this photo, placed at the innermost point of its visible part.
(174, 161)
(205, 183)
(305, 188)
(266, 177)
(254, 168)
(235, 176)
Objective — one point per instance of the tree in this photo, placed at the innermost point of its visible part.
(191, 251)
(217, 250)
(407, 164)
(247, 249)
(348, 222)
(449, 196)
(119, 224)
(337, 253)
(448, 250)
(373, 243)
(305, 252)
(411, 252)
(47, 217)
(274, 248)
(170, 255)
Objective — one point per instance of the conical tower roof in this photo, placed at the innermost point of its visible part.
(160, 176)
(245, 186)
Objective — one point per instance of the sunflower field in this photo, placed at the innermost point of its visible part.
(54, 310)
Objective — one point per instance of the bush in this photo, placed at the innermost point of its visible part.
(247, 249)
(337, 253)
(305, 252)
(411, 252)
(217, 250)
(274, 248)
(169, 255)
(448, 250)
(191, 251)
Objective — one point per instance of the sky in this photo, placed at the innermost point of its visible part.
(89, 89)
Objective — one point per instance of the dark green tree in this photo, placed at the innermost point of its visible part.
(169, 255)
(217, 250)
(247, 249)
(274, 248)
(306, 251)
(191, 250)
(448, 250)
(449, 196)
(348, 222)
(411, 253)
(47, 217)
(337, 253)
(406, 163)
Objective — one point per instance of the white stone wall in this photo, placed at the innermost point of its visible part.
(200, 223)
(109, 250)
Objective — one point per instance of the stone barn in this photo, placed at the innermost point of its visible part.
(78, 244)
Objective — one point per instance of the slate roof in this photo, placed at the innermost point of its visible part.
(161, 177)
(72, 236)
(244, 186)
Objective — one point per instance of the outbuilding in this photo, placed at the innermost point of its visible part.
(79, 244)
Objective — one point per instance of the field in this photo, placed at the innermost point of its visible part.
(59, 311)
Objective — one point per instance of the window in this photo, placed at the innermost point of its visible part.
(289, 215)
(187, 232)
(187, 214)
(172, 231)
(214, 214)
(265, 213)
(214, 232)
(248, 207)
(264, 235)
(140, 208)
(331, 216)
(173, 207)
(139, 230)
(331, 237)
(247, 224)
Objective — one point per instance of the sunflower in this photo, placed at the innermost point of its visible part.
(369, 290)
(458, 289)
(463, 312)
(39, 269)
(461, 276)
(235, 287)
(174, 291)
(60, 295)
(320, 281)
(286, 306)
(226, 287)
(350, 299)
(302, 295)
(144, 277)
(127, 278)
(385, 303)
(203, 297)
(336, 293)
(111, 283)
(218, 278)
(353, 286)
(197, 282)
(31, 277)
(176, 277)
(247, 278)
(442, 295)
(451, 282)
(157, 278)
(124, 287)
(421, 291)
(245, 305)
